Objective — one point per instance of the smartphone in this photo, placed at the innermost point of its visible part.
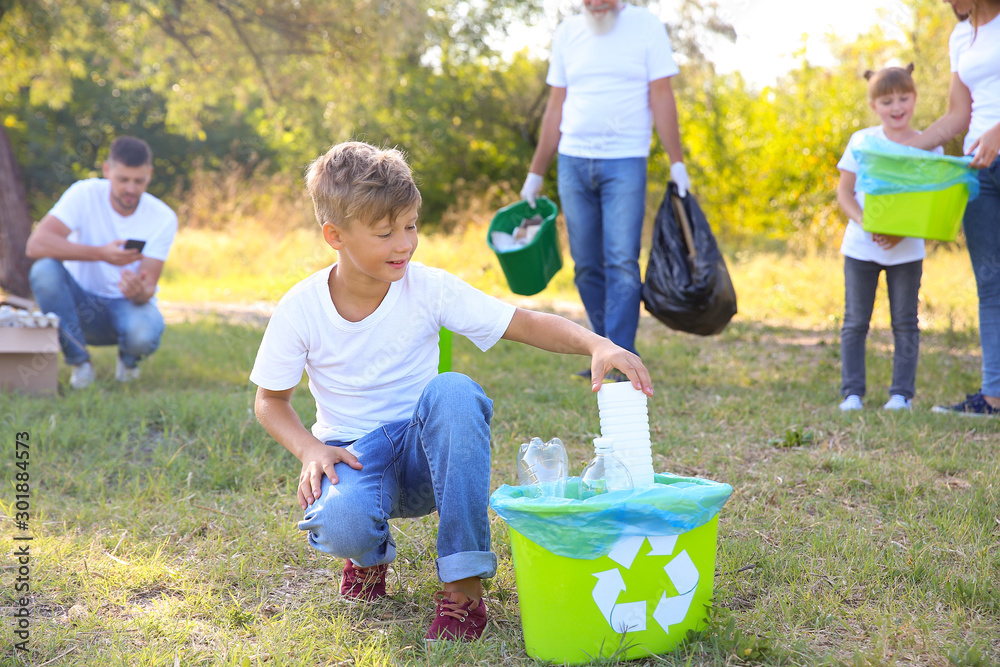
(134, 244)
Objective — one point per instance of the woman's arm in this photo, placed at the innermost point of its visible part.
(986, 148)
(952, 123)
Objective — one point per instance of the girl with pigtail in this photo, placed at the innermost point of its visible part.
(893, 96)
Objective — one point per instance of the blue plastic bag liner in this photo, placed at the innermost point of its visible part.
(888, 168)
(588, 529)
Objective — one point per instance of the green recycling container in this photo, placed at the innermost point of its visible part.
(638, 600)
(935, 214)
(530, 268)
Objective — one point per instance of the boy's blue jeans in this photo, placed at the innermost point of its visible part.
(438, 459)
(982, 236)
(86, 318)
(604, 202)
(860, 283)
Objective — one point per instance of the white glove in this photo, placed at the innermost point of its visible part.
(679, 175)
(532, 186)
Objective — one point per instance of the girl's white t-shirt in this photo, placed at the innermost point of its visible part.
(859, 244)
(606, 113)
(370, 373)
(975, 55)
(86, 209)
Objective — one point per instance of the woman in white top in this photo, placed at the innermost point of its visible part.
(974, 104)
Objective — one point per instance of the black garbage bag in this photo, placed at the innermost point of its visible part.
(687, 285)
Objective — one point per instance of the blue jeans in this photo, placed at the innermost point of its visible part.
(86, 318)
(438, 459)
(982, 235)
(860, 283)
(604, 202)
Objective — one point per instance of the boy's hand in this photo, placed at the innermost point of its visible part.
(608, 355)
(315, 464)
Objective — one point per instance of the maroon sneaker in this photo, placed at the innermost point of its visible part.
(363, 583)
(458, 618)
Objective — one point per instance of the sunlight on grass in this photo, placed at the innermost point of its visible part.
(170, 525)
(256, 264)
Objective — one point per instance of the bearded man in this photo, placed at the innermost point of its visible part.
(609, 77)
(100, 252)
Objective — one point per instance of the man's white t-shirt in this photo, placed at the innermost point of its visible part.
(86, 209)
(369, 373)
(606, 113)
(975, 55)
(859, 244)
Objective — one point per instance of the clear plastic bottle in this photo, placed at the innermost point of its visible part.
(544, 466)
(605, 472)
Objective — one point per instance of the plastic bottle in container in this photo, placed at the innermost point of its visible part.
(605, 472)
(543, 466)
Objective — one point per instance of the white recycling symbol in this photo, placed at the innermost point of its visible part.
(631, 616)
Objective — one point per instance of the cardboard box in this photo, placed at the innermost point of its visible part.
(29, 360)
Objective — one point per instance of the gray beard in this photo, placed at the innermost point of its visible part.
(602, 25)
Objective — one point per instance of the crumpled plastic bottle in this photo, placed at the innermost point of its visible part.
(543, 467)
(605, 472)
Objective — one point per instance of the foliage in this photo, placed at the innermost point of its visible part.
(764, 162)
(58, 146)
(261, 88)
(277, 80)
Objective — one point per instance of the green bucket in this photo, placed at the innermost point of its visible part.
(530, 268)
(935, 214)
(638, 600)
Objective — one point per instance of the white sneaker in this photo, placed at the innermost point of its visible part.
(852, 402)
(898, 402)
(125, 374)
(83, 375)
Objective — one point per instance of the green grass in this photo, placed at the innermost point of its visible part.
(802, 290)
(164, 516)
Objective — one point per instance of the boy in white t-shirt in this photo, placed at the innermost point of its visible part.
(100, 252)
(392, 438)
(892, 95)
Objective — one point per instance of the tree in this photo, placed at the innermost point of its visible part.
(15, 223)
(293, 71)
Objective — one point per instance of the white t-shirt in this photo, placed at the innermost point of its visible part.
(369, 373)
(606, 113)
(86, 209)
(976, 58)
(859, 244)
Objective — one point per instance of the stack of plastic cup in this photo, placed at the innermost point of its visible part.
(625, 419)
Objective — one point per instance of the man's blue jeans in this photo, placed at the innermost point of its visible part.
(604, 202)
(438, 459)
(89, 319)
(982, 235)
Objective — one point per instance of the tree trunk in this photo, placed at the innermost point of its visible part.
(15, 223)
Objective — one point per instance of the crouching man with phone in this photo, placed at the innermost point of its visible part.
(100, 252)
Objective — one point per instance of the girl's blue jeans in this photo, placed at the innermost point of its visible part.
(982, 235)
(438, 459)
(860, 283)
(604, 202)
(90, 319)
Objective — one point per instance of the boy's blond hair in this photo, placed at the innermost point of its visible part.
(357, 181)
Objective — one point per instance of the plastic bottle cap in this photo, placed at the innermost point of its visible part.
(604, 444)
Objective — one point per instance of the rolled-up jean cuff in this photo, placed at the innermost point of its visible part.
(482, 564)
